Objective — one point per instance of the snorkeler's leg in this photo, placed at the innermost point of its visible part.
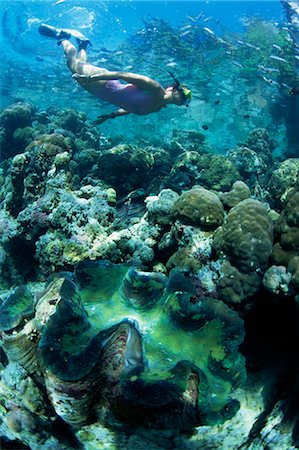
(77, 62)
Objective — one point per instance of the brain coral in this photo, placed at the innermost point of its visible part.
(246, 239)
(199, 207)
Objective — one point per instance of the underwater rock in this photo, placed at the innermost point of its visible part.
(30, 172)
(219, 175)
(276, 279)
(15, 122)
(260, 141)
(194, 250)
(287, 231)
(240, 191)
(22, 137)
(282, 180)
(24, 414)
(246, 238)
(125, 167)
(72, 120)
(293, 269)
(159, 207)
(199, 207)
(17, 115)
(247, 161)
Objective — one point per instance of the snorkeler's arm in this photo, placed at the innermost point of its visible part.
(141, 81)
(103, 118)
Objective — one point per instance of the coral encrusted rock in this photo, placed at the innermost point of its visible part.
(199, 207)
(246, 239)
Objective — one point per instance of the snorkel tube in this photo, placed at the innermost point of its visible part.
(186, 92)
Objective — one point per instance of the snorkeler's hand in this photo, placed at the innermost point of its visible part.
(103, 118)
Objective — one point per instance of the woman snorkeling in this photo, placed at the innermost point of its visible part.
(139, 94)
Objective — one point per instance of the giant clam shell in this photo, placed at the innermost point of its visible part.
(141, 290)
(77, 362)
(18, 331)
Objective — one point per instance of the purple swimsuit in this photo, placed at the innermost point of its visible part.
(127, 96)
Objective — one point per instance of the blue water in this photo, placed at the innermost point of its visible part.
(33, 67)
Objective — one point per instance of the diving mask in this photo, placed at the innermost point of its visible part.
(186, 92)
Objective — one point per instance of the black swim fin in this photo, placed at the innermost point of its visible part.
(56, 33)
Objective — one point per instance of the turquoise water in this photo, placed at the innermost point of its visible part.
(232, 84)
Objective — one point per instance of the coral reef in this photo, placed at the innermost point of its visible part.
(154, 250)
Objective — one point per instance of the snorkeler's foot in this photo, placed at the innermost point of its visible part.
(56, 33)
(83, 43)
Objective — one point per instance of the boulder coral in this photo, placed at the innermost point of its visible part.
(246, 240)
(199, 207)
(287, 231)
(240, 191)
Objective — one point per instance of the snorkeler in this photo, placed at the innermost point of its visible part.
(140, 95)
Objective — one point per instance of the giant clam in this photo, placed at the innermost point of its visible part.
(121, 346)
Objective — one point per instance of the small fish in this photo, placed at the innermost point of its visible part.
(208, 30)
(278, 58)
(186, 27)
(286, 86)
(254, 47)
(236, 63)
(205, 127)
(221, 41)
(58, 2)
(185, 33)
(194, 19)
(277, 47)
(269, 81)
(191, 18)
(217, 101)
(246, 116)
(171, 64)
(207, 19)
(267, 69)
